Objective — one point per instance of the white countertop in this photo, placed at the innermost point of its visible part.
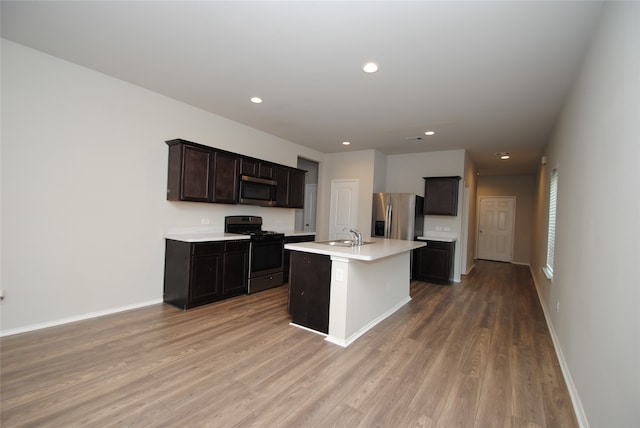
(294, 232)
(439, 236)
(380, 248)
(204, 235)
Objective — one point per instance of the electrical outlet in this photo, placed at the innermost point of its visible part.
(557, 305)
(438, 228)
(204, 221)
(447, 229)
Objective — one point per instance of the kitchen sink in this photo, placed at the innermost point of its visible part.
(342, 243)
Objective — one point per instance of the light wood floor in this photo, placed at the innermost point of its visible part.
(475, 354)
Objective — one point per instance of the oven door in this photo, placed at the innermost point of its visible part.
(266, 257)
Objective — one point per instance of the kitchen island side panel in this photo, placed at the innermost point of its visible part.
(363, 293)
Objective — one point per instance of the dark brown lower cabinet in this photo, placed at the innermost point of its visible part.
(287, 253)
(235, 268)
(309, 290)
(434, 263)
(197, 273)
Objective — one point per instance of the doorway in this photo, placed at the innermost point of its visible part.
(496, 220)
(305, 219)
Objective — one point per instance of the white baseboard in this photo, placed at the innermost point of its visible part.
(308, 329)
(349, 340)
(573, 392)
(473, 266)
(87, 316)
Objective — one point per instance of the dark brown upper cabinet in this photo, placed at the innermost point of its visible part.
(296, 188)
(290, 189)
(256, 168)
(249, 167)
(201, 174)
(225, 178)
(441, 195)
(205, 174)
(189, 176)
(267, 170)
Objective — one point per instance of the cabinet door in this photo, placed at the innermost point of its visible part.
(177, 263)
(226, 178)
(267, 170)
(206, 279)
(434, 262)
(287, 253)
(249, 167)
(282, 190)
(189, 175)
(441, 195)
(310, 288)
(290, 190)
(236, 268)
(296, 188)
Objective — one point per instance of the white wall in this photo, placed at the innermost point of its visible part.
(596, 145)
(405, 174)
(379, 173)
(83, 176)
(358, 165)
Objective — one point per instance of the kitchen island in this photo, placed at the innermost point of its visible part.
(367, 283)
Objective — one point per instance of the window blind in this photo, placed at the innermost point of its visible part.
(551, 233)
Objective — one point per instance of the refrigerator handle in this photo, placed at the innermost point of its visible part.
(387, 222)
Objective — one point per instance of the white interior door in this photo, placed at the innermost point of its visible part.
(344, 208)
(495, 228)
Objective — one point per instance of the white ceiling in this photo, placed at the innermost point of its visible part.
(486, 76)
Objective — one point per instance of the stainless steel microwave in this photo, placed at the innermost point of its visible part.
(257, 191)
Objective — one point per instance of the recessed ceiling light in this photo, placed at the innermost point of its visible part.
(504, 157)
(256, 100)
(370, 67)
(429, 133)
(345, 143)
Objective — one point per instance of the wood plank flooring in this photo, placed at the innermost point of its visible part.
(474, 354)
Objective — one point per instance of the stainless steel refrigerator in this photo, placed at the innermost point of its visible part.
(397, 215)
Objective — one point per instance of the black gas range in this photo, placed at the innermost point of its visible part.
(266, 254)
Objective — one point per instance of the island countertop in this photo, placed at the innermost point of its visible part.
(378, 249)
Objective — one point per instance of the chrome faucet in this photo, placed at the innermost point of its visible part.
(357, 236)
